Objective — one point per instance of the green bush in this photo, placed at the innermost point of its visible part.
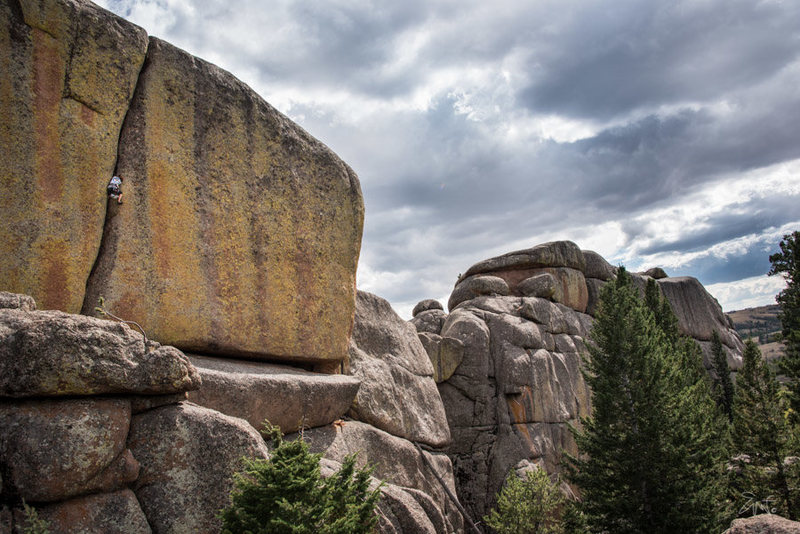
(287, 494)
(530, 505)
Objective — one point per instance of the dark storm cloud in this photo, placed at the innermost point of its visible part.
(620, 56)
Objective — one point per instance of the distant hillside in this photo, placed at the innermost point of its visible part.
(762, 324)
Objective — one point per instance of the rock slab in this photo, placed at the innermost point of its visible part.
(240, 233)
(285, 396)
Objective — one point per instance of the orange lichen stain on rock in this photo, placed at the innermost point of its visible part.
(55, 281)
(48, 81)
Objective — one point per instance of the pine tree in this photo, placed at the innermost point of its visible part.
(527, 505)
(651, 454)
(286, 494)
(761, 433)
(723, 385)
(787, 263)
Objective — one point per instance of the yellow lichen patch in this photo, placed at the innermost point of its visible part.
(58, 153)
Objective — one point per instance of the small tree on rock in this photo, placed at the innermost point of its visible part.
(529, 505)
(287, 494)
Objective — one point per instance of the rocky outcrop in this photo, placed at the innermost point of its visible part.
(239, 233)
(397, 393)
(287, 397)
(764, 524)
(514, 385)
(67, 73)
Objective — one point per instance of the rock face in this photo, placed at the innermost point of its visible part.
(398, 393)
(240, 233)
(764, 524)
(287, 397)
(67, 73)
(515, 384)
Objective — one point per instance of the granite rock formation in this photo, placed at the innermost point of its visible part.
(68, 70)
(239, 233)
(517, 327)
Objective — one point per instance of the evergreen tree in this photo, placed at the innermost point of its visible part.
(286, 494)
(762, 434)
(651, 454)
(787, 263)
(529, 505)
(723, 385)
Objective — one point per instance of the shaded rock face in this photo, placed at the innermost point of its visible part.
(397, 393)
(516, 383)
(239, 233)
(67, 73)
(286, 397)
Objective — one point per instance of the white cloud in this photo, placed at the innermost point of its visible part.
(747, 293)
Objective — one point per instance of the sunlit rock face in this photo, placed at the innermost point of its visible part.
(517, 329)
(239, 233)
(67, 74)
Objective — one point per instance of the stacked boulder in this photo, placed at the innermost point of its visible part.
(97, 434)
(94, 432)
(510, 353)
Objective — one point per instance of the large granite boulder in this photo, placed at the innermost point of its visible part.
(764, 524)
(240, 233)
(285, 396)
(407, 470)
(52, 450)
(51, 353)
(563, 260)
(188, 455)
(68, 73)
(397, 393)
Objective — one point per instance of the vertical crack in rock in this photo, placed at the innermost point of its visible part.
(106, 251)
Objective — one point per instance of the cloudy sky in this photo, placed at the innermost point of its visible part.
(655, 133)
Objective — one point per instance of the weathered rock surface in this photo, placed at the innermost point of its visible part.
(516, 391)
(52, 450)
(104, 513)
(67, 73)
(286, 396)
(397, 393)
(518, 385)
(398, 462)
(429, 321)
(764, 524)
(561, 259)
(445, 353)
(475, 286)
(188, 455)
(425, 305)
(14, 301)
(51, 353)
(240, 233)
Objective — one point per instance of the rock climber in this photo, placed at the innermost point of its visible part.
(115, 189)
